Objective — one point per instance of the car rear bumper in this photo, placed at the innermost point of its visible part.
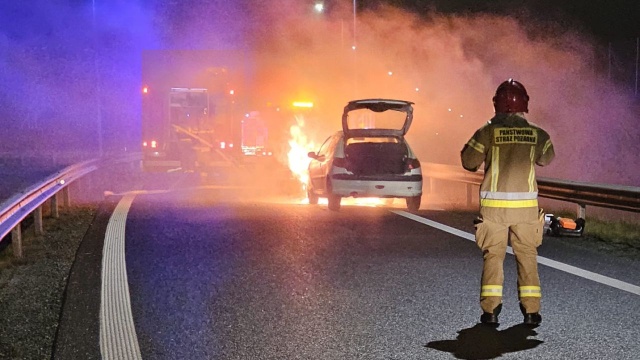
(376, 188)
(386, 177)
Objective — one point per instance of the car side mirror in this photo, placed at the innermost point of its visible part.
(312, 155)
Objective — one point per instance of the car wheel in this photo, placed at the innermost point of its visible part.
(313, 198)
(413, 203)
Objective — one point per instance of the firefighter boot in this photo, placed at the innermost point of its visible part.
(491, 318)
(533, 319)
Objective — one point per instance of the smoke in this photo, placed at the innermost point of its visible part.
(450, 67)
(69, 69)
(68, 72)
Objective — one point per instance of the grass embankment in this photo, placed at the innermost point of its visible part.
(616, 232)
(621, 233)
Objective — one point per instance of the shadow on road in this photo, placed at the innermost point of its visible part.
(485, 342)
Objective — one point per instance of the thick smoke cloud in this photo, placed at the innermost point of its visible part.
(450, 66)
(68, 68)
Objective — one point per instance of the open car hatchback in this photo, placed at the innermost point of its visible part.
(369, 157)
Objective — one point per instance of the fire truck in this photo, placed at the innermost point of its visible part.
(174, 134)
(190, 109)
(254, 135)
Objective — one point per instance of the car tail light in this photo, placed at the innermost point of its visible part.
(411, 164)
(340, 162)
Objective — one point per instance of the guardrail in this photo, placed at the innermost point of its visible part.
(626, 198)
(17, 208)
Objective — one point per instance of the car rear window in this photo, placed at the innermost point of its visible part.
(367, 119)
(385, 139)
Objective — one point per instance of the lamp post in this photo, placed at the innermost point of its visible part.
(355, 54)
(97, 78)
(354, 24)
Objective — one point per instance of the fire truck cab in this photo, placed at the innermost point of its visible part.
(176, 134)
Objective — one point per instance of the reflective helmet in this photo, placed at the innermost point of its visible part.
(511, 96)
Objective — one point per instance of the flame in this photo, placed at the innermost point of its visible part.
(299, 147)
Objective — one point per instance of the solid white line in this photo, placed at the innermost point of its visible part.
(167, 191)
(634, 289)
(118, 338)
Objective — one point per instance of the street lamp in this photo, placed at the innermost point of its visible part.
(319, 7)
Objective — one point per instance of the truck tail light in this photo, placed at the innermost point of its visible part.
(152, 144)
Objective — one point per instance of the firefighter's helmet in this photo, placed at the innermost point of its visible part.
(511, 97)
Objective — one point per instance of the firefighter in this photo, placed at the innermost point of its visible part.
(510, 147)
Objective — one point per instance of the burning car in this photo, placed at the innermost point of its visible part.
(369, 157)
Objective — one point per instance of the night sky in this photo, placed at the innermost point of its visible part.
(605, 19)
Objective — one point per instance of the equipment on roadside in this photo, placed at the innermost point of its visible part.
(563, 226)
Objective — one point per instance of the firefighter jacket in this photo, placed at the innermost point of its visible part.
(510, 147)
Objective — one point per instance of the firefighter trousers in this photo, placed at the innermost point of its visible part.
(492, 238)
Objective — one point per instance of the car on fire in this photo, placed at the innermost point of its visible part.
(369, 157)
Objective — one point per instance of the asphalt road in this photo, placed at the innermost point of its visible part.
(220, 273)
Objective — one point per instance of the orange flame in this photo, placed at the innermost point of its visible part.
(299, 146)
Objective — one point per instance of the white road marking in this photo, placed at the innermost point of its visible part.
(118, 340)
(168, 191)
(634, 289)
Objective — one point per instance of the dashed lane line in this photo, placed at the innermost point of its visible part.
(634, 289)
(118, 340)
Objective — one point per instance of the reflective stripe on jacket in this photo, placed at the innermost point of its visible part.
(510, 147)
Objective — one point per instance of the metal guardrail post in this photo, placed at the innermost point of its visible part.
(16, 241)
(582, 211)
(37, 221)
(66, 197)
(54, 206)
